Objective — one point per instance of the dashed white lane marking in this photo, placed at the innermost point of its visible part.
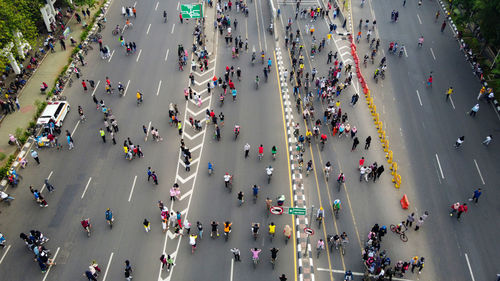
(439, 165)
(178, 5)
(166, 55)
(419, 20)
(173, 26)
(406, 54)
(87, 186)
(111, 56)
(135, 3)
(159, 86)
(138, 56)
(50, 266)
(74, 129)
(132, 189)
(419, 100)
(470, 269)
(432, 52)
(149, 26)
(479, 171)
(107, 267)
(156, 8)
(96, 86)
(43, 187)
(126, 88)
(232, 265)
(4, 254)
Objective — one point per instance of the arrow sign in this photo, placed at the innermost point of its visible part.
(276, 210)
(191, 11)
(308, 231)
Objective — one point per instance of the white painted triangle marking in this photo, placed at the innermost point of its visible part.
(203, 82)
(193, 137)
(183, 181)
(196, 147)
(192, 162)
(198, 112)
(186, 194)
(204, 72)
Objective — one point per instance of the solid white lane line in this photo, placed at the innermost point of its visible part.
(439, 164)
(4, 254)
(232, 265)
(132, 190)
(419, 20)
(406, 54)
(178, 5)
(147, 132)
(107, 267)
(50, 266)
(432, 52)
(470, 269)
(96, 86)
(138, 56)
(166, 56)
(149, 26)
(135, 3)
(419, 100)
(479, 171)
(74, 129)
(173, 26)
(126, 88)
(159, 86)
(87, 186)
(111, 56)
(156, 8)
(43, 187)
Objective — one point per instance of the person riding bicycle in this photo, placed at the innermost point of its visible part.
(375, 74)
(120, 87)
(253, 57)
(348, 276)
(255, 229)
(86, 224)
(401, 227)
(365, 59)
(272, 229)
(336, 240)
(165, 15)
(138, 96)
(309, 165)
(308, 135)
(274, 150)
(324, 138)
(269, 171)
(255, 190)
(274, 253)
(269, 203)
(215, 230)
(320, 245)
(269, 63)
(328, 167)
(344, 238)
(420, 41)
(341, 178)
(257, 80)
(236, 129)
(315, 131)
(320, 214)
(255, 253)
(227, 179)
(301, 139)
(287, 231)
(227, 227)
(261, 150)
(109, 216)
(210, 167)
(337, 205)
(262, 55)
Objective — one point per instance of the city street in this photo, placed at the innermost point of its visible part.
(420, 124)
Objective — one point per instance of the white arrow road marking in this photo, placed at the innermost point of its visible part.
(196, 147)
(204, 72)
(192, 163)
(203, 82)
(195, 136)
(198, 112)
(184, 180)
(186, 194)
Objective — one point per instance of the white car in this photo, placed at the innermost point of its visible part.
(56, 110)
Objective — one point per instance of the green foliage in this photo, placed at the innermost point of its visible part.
(40, 106)
(6, 167)
(80, 3)
(2, 156)
(18, 15)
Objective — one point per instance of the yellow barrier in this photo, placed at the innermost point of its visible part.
(386, 147)
(376, 118)
(367, 95)
(397, 180)
(389, 155)
(369, 101)
(374, 110)
(394, 168)
(378, 124)
(381, 134)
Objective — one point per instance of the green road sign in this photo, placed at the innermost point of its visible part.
(297, 211)
(191, 11)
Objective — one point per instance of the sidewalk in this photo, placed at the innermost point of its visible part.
(47, 72)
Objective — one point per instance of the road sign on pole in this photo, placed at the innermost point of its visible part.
(308, 231)
(191, 11)
(276, 210)
(297, 211)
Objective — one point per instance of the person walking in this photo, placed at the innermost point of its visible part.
(462, 209)
(34, 154)
(419, 223)
(449, 92)
(410, 220)
(236, 252)
(84, 84)
(355, 143)
(368, 142)
(246, 148)
(420, 264)
(199, 226)
(443, 25)
(103, 135)
(414, 262)
(49, 186)
(147, 225)
(475, 196)
(487, 140)
(70, 141)
(178, 216)
(163, 261)
(378, 172)
(180, 18)
(473, 111)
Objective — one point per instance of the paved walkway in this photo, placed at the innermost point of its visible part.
(47, 72)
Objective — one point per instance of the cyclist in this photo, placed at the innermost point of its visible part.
(375, 74)
(109, 216)
(240, 197)
(320, 214)
(227, 179)
(272, 229)
(255, 253)
(274, 254)
(316, 131)
(265, 73)
(236, 130)
(341, 178)
(86, 224)
(257, 81)
(262, 55)
(210, 168)
(255, 191)
(308, 136)
(324, 138)
(253, 57)
(215, 230)
(336, 241)
(459, 141)
(301, 140)
(255, 230)
(365, 59)
(227, 227)
(138, 97)
(274, 150)
(261, 151)
(192, 242)
(269, 202)
(348, 276)
(269, 171)
(164, 16)
(283, 277)
(120, 88)
(309, 166)
(344, 238)
(328, 167)
(287, 231)
(269, 63)
(420, 41)
(337, 205)
(320, 245)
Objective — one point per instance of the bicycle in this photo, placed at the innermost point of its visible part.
(340, 181)
(343, 245)
(273, 262)
(336, 211)
(401, 233)
(319, 248)
(327, 174)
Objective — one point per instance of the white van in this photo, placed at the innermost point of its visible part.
(55, 110)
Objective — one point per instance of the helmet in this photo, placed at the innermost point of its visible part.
(321, 208)
(384, 227)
